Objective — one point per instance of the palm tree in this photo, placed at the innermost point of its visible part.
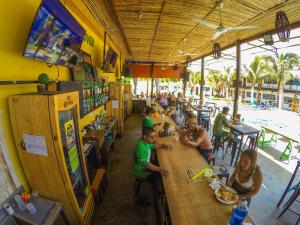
(195, 78)
(256, 73)
(280, 67)
(214, 79)
(227, 78)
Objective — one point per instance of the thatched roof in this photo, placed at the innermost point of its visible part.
(155, 30)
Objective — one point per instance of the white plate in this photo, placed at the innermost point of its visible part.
(221, 200)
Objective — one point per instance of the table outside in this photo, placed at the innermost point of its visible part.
(243, 130)
(189, 203)
(283, 132)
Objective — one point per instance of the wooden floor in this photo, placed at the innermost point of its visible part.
(118, 207)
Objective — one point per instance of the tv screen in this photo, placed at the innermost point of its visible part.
(55, 35)
(111, 57)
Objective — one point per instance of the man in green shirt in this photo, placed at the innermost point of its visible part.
(221, 124)
(148, 120)
(144, 169)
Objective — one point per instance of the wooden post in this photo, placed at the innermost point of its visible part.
(238, 75)
(202, 82)
(152, 80)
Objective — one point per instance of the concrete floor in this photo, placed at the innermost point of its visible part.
(118, 207)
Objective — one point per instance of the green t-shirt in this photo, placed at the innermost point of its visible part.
(220, 121)
(148, 123)
(142, 156)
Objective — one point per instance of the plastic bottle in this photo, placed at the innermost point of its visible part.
(239, 214)
(21, 204)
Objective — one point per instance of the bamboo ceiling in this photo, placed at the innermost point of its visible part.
(159, 32)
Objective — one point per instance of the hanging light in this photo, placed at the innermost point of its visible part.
(216, 52)
(282, 26)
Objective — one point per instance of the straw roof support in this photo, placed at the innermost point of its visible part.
(202, 82)
(237, 80)
(152, 80)
(155, 31)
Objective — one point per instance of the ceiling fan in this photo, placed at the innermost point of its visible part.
(183, 52)
(220, 29)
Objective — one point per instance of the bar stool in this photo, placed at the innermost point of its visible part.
(252, 140)
(217, 142)
(235, 142)
(205, 121)
(292, 199)
(289, 184)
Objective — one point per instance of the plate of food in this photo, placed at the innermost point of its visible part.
(226, 195)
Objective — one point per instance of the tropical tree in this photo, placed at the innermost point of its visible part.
(256, 73)
(215, 80)
(195, 78)
(280, 67)
(228, 76)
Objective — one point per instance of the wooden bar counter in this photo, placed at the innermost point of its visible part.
(189, 203)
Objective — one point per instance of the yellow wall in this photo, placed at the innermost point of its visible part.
(16, 18)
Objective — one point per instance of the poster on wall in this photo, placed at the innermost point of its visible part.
(35, 144)
(70, 133)
(115, 104)
(84, 69)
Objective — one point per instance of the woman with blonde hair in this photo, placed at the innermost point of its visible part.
(247, 177)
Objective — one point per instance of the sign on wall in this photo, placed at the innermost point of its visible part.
(88, 39)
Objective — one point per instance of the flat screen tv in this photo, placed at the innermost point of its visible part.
(55, 35)
(111, 57)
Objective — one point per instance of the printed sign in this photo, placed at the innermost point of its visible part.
(35, 144)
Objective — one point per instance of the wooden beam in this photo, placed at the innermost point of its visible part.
(155, 31)
(202, 82)
(237, 80)
(117, 22)
(152, 80)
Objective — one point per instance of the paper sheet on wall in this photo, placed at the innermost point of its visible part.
(73, 157)
(126, 96)
(115, 104)
(35, 144)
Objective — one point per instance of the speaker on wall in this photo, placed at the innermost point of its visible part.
(186, 76)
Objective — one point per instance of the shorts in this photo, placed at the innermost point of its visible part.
(206, 153)
(224, 134)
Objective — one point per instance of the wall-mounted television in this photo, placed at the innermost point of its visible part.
(111, 57)
(55, 35)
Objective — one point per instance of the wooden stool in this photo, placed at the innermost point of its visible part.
(99, 185)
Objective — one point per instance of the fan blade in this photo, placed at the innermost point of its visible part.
(206, 23)
(188, 54)
(218, 34)
(241, 28)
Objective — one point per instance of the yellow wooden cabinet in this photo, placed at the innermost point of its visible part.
(46, 133)
(116, 94)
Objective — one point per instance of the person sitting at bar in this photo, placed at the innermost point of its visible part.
(171, 112)
(197, 137)
(247, 177)
(144, 168)
(163, 101)
(221, 124)
(189, 106)
(148, 120)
